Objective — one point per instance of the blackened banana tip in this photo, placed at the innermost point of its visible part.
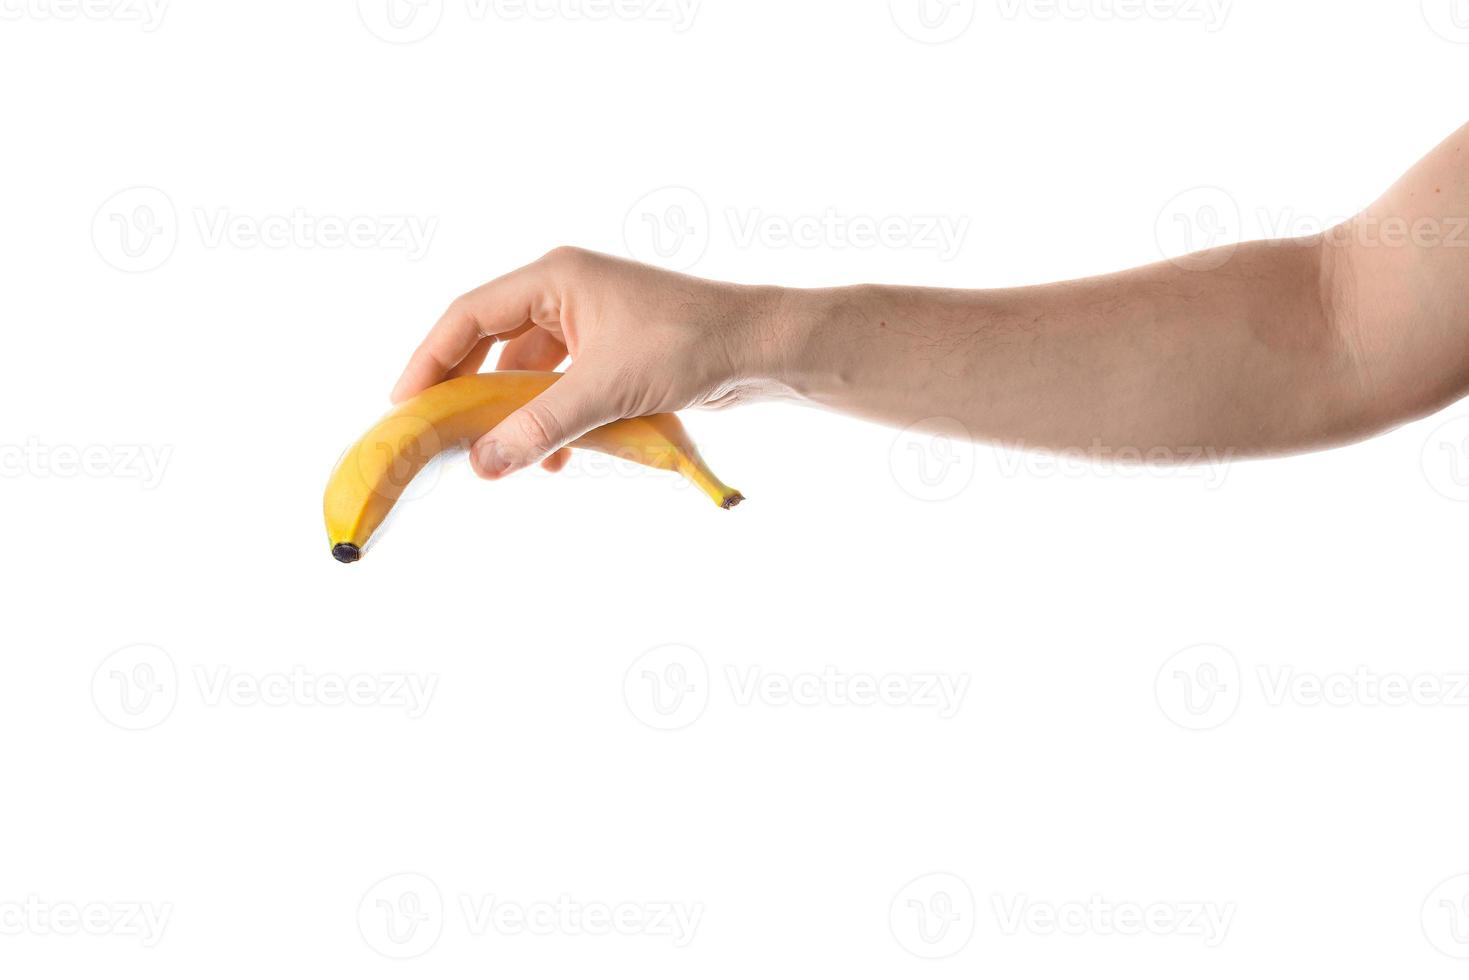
(346, 553)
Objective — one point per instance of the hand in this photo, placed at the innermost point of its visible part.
(641, 341)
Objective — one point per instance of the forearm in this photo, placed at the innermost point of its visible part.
(1274, 347)
(1241, 358)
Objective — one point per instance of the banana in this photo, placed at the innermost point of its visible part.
(374, 473)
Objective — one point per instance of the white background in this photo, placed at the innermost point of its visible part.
(1085, 614)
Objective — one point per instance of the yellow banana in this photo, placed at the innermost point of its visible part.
(374, 473)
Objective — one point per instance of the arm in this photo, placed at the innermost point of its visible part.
(1278, 347)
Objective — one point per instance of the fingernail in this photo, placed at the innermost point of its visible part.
(491, 459)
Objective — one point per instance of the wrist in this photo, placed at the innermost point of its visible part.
(789, 348)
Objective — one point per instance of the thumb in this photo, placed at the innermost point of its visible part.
(571, 407)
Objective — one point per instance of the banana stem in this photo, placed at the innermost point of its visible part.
(694, 470)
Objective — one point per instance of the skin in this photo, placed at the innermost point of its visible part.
(1262, 349)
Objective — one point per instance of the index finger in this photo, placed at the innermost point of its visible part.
(499, 308)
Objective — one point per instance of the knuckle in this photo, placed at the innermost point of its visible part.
(537, 427)
(462, 308)
(568, 258)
